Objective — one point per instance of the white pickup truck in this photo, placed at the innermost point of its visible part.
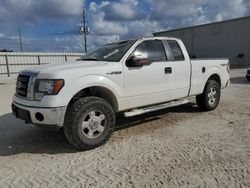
(133, 77)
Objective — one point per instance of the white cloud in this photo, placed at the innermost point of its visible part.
(174, 8)
(229, 9)
(179, 13)
(100, 26)
(94, 41)
(125, 19)
(141, 28)
(33, 10)
(2, 35)
(103, 27)
(110, 20)
(124, 11)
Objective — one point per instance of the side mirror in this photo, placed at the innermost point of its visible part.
(138, 61)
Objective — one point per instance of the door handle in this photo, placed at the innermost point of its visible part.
(168, 70)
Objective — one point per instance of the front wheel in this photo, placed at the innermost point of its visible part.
(210, 98)
(89, 123)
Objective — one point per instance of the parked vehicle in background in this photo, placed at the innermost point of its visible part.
(248, 74)
(133, 77)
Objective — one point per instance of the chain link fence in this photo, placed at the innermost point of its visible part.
(11, 63)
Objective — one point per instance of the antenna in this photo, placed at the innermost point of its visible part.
(20, 38)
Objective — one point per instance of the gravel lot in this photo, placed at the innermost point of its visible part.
(178, 147)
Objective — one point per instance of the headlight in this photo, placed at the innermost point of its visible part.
(47, 87)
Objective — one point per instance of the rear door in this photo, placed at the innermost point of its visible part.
(179, 63)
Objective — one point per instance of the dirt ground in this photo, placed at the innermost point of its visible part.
(178, 147)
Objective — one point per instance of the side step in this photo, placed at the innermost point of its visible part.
(139, 111)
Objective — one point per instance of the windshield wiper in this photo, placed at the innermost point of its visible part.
(89, 59)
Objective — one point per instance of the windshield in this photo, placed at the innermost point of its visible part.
(109, 52)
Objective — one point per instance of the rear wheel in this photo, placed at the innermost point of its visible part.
(89, 122)
(210, 97)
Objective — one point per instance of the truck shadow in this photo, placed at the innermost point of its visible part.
(17, 137)
(123, 123)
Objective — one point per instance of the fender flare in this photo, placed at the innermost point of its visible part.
(93, 81)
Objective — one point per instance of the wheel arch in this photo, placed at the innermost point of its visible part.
(202, 100)
(216, 77)
(97, 91)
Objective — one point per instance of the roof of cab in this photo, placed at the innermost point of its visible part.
(159, 38)
(147, 38)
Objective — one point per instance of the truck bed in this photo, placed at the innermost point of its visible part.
(203, 68)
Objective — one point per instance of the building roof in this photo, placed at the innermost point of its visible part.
(204, 25)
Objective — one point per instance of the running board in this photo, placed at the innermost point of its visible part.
(145, 110)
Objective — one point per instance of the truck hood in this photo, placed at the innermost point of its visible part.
(54, 70)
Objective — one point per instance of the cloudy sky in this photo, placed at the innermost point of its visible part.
(53, 25)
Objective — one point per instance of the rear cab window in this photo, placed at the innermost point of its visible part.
(173, 50)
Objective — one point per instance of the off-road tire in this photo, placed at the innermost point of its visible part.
(73, 122)
(203, 99)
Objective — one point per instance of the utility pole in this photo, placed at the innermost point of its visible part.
(20, 38)
(85, 31)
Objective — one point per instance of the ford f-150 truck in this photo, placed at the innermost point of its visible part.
(133, 77)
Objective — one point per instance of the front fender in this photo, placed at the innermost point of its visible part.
(81, 83)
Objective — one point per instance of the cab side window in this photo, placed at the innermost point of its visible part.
(176, 50)
(153, 50)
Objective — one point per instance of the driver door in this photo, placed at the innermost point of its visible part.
(147, 84)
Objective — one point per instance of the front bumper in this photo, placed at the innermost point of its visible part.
(52, 117)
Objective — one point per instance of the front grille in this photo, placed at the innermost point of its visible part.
(22, 85)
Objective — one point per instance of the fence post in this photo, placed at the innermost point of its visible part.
(39, 60)
(7, 65)
(66, 58)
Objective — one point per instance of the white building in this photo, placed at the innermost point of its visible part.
(221, 39)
